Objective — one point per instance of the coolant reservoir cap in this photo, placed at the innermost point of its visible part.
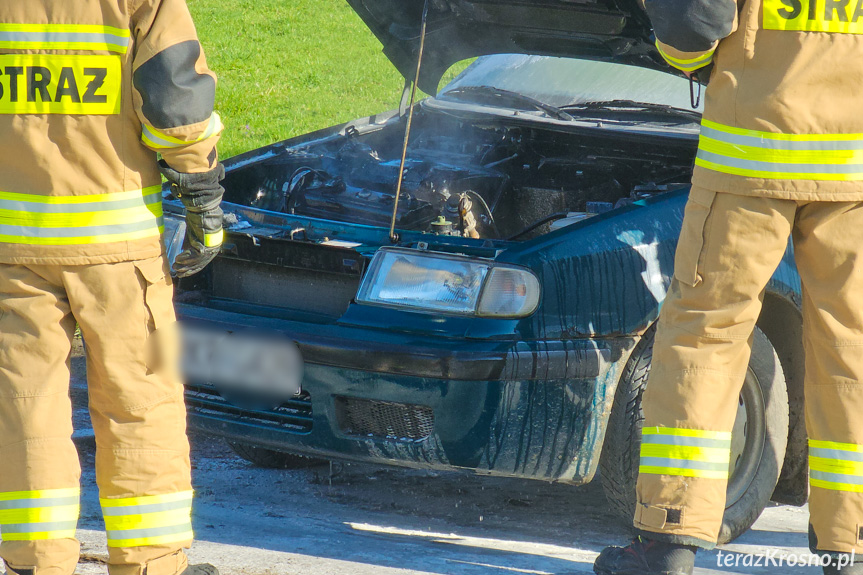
(441, 225)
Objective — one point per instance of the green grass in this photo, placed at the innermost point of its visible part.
(287, 67)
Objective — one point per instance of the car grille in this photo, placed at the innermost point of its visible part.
(294, 415)
(289, 288)
(384, 420)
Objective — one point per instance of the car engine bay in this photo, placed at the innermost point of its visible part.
(467, 179)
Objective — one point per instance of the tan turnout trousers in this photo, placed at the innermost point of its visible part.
(136, 402)
(729, 248)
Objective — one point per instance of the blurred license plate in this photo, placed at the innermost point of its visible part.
(249, 369)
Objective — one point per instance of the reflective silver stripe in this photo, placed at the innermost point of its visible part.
(685, 441)
(780, 168)
(80, 232)
(157, 139)
(836, 477)
(683, 464)
(835, 454)
(39, 503)
(141, 509)
(45, 37)
(151, 532)
(40, 527)
(82, 208)
(161, 140)
(771, 144)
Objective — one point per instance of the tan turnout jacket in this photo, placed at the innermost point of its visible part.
(782, 111)
(90, 92)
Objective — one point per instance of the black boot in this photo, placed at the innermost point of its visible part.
(646, 557)
(202, 569)
(848, 569)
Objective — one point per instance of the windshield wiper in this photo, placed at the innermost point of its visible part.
(632, 106)
(507, 99)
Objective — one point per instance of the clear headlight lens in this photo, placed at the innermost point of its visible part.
(432, 283)
(451, 284)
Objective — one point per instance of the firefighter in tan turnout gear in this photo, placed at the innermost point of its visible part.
(90, 92)
(780, 155)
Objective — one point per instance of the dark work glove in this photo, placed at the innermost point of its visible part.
(201, 194)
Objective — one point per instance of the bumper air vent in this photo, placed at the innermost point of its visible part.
(293, 416)
(384, 420)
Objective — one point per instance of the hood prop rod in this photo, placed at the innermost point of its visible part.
(394, 237)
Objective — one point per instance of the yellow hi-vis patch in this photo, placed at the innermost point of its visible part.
(54, 84)
(839, 16)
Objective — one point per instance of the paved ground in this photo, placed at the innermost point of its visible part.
(364, 520)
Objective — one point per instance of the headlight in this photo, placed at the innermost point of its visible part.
(450, 284)
(173, 236)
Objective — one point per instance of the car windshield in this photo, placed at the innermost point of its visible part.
(563, 82)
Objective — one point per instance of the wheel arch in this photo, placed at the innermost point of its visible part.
(782, 322)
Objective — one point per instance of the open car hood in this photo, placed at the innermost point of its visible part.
(616, 30)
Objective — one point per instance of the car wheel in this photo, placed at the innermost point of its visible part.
(758, 439)
(271, 459)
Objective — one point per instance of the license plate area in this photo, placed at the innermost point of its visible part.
(249, 369)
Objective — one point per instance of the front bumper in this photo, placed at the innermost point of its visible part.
(524, 409)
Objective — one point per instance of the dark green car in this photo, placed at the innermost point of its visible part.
(506, 325)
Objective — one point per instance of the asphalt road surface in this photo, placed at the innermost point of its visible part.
(363, 520)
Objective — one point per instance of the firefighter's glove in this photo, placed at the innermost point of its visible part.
(201, 194)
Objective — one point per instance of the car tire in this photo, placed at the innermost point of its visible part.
(271, 459)
(758, 440)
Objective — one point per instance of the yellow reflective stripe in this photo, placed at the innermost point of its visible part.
(88, 199)
(852, 447)
(761, 154)
(40, 494)
(836, 466)
(40, 535)
(685, 452)
(214, 240)
(42, 45)
(157, 540)
(147, 499)
(779, 136)
(82, 220)
(681, 432)
(687, 65)
(683, 472)
(147, 520)
(64, 37)
(160, 140)
(836, 486)
(40, 514)
(74, 220)
(768, 155)
(63, 28)
(706, 454)
(82, 240)
(775, 174)
(836, 17)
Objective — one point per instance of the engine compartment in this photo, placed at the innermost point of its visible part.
(464, 178)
